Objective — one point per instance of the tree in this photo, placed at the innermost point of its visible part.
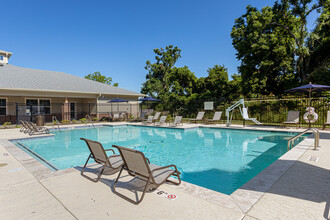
(317, 64)
(172, 85)
(158, 72)
(265, 51)
(97, 76)
(272, 45)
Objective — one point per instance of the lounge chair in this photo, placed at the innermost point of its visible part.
(246, 117)
(216, 117)
(177, 121)
(37, 129)
(139, 166)
(98, 154)
(143, 114)
(293, 118)
(199, 117)
(155, 118)
(328, 120)
(162, 121)
(115, 117)
(149, 120)
(25, 127)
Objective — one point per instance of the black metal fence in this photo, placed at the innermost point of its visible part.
(271, 112)
(15, 112)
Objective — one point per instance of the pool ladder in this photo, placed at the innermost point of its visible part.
(316, 139)
(54, 119)
(90, 119)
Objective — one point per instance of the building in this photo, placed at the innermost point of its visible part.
(25, 93)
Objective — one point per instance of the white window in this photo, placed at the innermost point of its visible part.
(38, 106)
(3, 106)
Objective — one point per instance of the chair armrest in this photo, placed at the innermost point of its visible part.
(160, 168)
(110, 150)
(148, 160)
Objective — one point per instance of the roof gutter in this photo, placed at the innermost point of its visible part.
(67, 91)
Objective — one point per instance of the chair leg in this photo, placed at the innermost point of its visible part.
(179, 179)
(124, 197)
(98, 177)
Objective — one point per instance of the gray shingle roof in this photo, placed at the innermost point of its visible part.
(14, 77)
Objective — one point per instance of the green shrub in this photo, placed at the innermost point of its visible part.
(74, 121)
(96, 119)
(5, 125)
(83, 120)
(169, 117)
(65, 121)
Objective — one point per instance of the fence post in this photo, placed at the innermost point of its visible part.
(30, 113)
(16, 113)
(89, 108)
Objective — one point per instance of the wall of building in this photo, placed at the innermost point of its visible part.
(104, 105)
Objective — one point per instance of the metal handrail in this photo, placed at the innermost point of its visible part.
(316, 139)
(90, 119)
(55, 119)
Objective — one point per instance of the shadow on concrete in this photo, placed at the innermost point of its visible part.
(128, 185)
(302, 181)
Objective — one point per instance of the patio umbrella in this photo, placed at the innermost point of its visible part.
(118, 100)
(150, 99)
(309, 88)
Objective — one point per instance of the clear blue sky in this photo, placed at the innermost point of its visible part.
(117, 37)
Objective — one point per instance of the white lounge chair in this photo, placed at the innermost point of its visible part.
(155, 118)
(177, 121)
(115, 117)
(141, 118)
(199, 117)
(328, 120)
(246, 117)
(293, 118)
(216, 117)
(162, 121)
(149, 120)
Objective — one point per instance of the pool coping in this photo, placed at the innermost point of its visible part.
(241, 199)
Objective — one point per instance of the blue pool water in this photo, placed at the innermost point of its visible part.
(218, 159)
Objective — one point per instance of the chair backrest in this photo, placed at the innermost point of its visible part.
(116, 115)
(162, 119)
(245, 113)
(217, 116)
(24, 124)
(150, 118)
(142, 115)
(156, 115)
(134, 161)
(328, 117)
(177, 119)
(200, 115)
(293, 116)
(96, 150)
(33, 126)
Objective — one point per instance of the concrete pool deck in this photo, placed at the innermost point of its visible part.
(297, 186)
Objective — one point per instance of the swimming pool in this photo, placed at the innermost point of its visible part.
(218, 159)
